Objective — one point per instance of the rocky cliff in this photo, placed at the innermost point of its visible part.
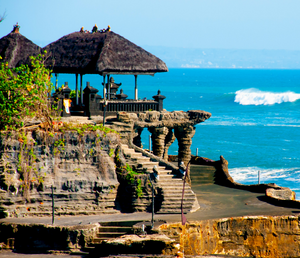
(241, 237)
(78, 165)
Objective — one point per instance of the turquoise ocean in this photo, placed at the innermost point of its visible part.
(255, 122)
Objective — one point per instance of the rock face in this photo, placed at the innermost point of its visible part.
(79, 166)
(281, 194)
(164, 127)
(134, 244)
(40, 238)
(244, 236)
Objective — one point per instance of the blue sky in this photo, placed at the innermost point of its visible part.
(229, 24)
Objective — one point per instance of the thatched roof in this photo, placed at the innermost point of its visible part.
(100, 53)
(16, 49)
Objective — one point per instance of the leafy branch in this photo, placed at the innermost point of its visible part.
(24, 94)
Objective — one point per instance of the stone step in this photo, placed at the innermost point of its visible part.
(177, 193)
(171, 185)
(115, 229)
(166, 177)
(139, 156)
(176, 184)
(149, 164)
(175, 181)
(170, 201)
(164, 171)
(178, 197)
(106, 235)
(172, 211)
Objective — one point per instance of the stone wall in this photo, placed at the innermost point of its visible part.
(39, 238)
(80, 167)
(241, 237)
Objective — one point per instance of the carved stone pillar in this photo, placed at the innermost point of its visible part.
(137, 138)
(184, 136)
(170, 138)
(158, 136)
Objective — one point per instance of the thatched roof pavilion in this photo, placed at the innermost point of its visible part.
(16, 49)
(101, 52)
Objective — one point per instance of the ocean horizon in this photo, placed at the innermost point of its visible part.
(255, 122)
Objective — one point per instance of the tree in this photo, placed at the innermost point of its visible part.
(24, 94)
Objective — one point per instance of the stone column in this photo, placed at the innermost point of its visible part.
(170, 138)
(137, 137)
(184, 136)
(158, 140)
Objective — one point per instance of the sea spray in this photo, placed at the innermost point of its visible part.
(256, 97)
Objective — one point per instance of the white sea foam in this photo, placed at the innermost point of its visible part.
(250, 174)
(256, 97)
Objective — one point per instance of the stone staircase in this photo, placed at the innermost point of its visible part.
(111, 230)
(170, 184)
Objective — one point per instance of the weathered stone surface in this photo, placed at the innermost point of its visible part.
(243, 236)
(162, 126)
(41, 238)
(281, 194)
(134, 244)
(80, 167)
(158, 140)
(184, 136)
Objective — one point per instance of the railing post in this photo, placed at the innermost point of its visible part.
(90, 99)
(53, 207)
(159, 98)
(64, 101)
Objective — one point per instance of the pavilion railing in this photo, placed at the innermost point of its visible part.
(129, 105)
(94, 105)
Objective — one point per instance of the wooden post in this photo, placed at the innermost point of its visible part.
(135, 87)
(56, 81)
(104, 88)
(52, 204)
(108, 87)
(152, 187)
(76, 76)
(81, 90)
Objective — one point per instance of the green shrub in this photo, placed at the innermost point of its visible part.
(24, 93)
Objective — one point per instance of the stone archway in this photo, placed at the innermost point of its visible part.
(164, 128)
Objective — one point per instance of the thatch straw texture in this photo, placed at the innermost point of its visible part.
(98, 53)
(16, 49)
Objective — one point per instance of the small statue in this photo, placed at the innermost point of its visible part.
(16, 28)
(182, 168)
(95, 29)
(155, 173)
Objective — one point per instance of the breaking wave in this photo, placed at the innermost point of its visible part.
(250, 174)
(256, 97)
